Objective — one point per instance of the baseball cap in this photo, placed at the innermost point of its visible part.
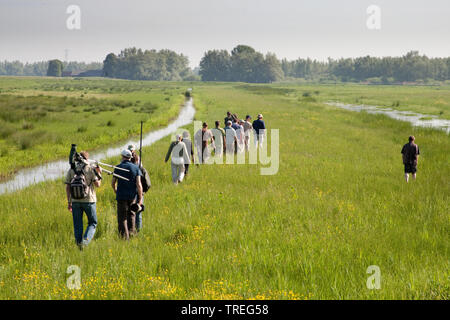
(126, 153)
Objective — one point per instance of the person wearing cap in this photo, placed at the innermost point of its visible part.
(134, 155)
(247, 130)
(260, 128)
(410, 155)
(87, 204)
(127, 193)
(187, 141)
(179, 154)
(203, 138)
(230, 138)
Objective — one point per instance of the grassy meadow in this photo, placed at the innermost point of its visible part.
(337, 205)
(39, 118)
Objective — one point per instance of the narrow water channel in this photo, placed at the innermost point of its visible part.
(56, 169)
(416, 119)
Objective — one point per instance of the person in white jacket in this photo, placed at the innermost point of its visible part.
(180, 157)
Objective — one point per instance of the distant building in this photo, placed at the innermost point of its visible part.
(66, 74)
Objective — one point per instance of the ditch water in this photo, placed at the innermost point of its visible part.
(416, 119)
(57, 169)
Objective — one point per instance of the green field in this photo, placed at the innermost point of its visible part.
(39, 118)
(337, 205)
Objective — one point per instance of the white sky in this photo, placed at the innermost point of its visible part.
(34, 30)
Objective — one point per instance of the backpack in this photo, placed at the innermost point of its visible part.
(79, 188)
(145, 180)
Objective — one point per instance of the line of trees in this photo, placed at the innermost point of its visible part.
(243, 64)
(246, 65)
(136, 64)
(17, 68)
(411, 67)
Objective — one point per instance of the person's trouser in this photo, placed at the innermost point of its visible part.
(186, 168)
(126, 218)
(218, 151)
(203, 155)
(259, 138)
(246, 141)
(77, 213)
(177, 172)
(138, 218)
(230, 148)
(138, 221)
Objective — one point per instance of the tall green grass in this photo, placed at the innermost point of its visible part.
(337, 205)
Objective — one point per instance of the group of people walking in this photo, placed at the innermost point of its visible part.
(128, 190)
(127, 181)
(233, 138)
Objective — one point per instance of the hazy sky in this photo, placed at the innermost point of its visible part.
(33, 30)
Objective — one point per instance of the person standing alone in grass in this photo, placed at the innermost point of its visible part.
(127, 193)
(180, 156)
(83, 202)
(410, 154)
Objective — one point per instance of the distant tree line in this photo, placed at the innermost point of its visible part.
(411, 67)
(17, 68)
(246, 65)
(136, 64)
(243, 64)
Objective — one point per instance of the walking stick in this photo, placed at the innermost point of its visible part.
(140, 147)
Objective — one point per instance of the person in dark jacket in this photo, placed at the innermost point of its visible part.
(127, 193)
(260, 128)
(410, 155)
